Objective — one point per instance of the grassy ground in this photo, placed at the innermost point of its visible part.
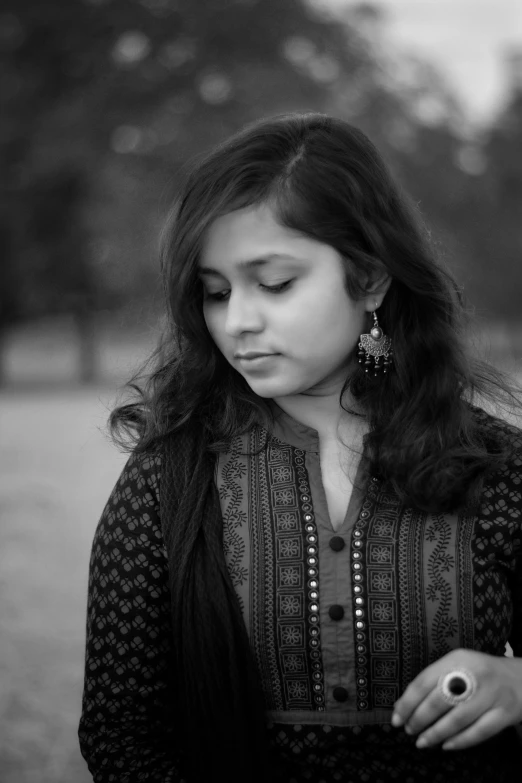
(56, 471)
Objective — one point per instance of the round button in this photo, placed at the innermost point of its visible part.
(340, 693)
(337, 543)
(336, 612)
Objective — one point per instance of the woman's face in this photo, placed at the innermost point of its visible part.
(307, 323)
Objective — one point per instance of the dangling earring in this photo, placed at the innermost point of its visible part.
(375, 349)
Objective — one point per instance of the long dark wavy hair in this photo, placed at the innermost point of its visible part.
(324, 178)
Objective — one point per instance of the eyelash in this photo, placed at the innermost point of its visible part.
(274, 289)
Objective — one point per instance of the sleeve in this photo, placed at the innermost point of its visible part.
(513, 486)
(515, 639)
(126, 725)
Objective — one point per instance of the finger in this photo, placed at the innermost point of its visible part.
(430, 709)
(489, 724)
(436, 705)
(414, 694)
(450, 724)
(422, 685)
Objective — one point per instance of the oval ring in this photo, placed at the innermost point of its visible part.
(457, 686)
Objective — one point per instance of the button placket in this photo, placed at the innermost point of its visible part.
(312, 561)
(358, 577)
(336, 613)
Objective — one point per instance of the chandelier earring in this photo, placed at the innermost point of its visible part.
(375, 349)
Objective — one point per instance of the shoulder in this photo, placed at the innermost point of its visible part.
(501, 496)
(143, 469)
(499, 434)
(138, 485)
(131, 517)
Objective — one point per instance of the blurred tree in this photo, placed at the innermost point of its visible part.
(104, 101)
(498, 235)
(87, 81)
(468, 188)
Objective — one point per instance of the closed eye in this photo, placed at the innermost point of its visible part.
(273, 289)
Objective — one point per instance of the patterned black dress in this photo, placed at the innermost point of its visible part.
(340, 621)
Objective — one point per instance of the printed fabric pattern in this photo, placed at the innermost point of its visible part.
(124, 732)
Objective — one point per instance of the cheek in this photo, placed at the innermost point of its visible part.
(326, 322)
(215, 322)
(212, 322)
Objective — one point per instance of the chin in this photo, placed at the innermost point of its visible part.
(270, 390)
(265, 391)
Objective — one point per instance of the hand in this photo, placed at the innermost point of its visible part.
(495, 704)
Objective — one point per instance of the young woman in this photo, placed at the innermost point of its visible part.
(310, 566)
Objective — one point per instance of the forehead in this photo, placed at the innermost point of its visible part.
(250, 233)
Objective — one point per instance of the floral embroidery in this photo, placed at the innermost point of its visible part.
(384, 696)
(381, 581)
(443, 626)
(291, 635)
(289, 547)
(382, 528)
(297, 690)
(290, 604)
(234, 518)
(239, 470)
(445, 562)
(381, 554)
(224, 492)
(285, 497)
(383, 611)
(281, 475)
(290, 576)
(293, 663)
(385, 669)
(384, 640)
(278, 455)
(287, 521)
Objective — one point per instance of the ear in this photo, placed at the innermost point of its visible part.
(376, 292)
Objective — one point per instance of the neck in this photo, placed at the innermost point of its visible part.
(322, 412)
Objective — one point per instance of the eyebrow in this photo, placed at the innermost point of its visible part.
(207, 271)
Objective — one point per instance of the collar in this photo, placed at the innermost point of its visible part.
(289, 430)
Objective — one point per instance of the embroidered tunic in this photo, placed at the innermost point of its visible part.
(339, 621)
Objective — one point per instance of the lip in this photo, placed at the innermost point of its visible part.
(257, 361)
(252, 355)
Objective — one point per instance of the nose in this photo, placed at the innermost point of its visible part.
(242, 315)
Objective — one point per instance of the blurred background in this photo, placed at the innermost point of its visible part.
(103, 104)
